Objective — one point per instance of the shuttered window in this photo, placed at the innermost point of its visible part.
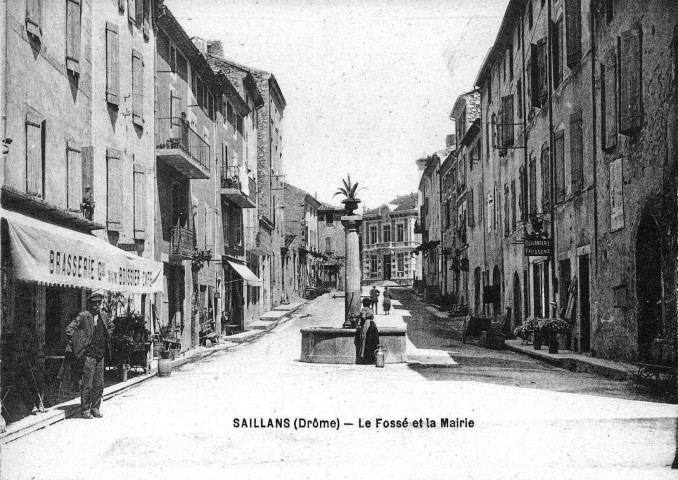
(471, 209)
(545, 178)
(507, 218)
(519, 90)
(506, 130)
(139, 12)
(538, 73)
(121, 6)
(147, 18)
(87, 156)
(559, 154)
(481, 204)
(576, 152)
(114, 189)
(74, 176)
(608, 81)
(140, 202)
(73, 35)
(513, 206)
(523, 197)
(533, 186)
(34, 18)
(35, 155)
(137, 88)
(132, 10)
(630, 86)
(112, 65)
(573, 31)
(557, 52)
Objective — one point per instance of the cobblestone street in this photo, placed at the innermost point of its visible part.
(183, 426)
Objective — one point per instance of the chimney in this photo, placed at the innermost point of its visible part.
(216, 48)
(450, 140)
(201, 44)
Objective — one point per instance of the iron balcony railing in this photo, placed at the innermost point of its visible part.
(182, 242)
(230, 177)
(175, 132)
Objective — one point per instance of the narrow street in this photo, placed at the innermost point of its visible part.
(184, 426)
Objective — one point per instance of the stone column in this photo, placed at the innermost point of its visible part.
(352, 273)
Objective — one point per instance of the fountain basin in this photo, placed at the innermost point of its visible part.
(337, 345)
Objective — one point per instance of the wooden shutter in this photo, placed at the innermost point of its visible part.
(481, 204)
(522, 194)
(87, 157)
(73, 35)
(139, 12)
(507, 120)
(519, 89)
(131, 10)
(560, 166)
(576, 152)
(573, 31)
(471, 209)
(147, 18)
(34, 155)
(513, 205)
(121, 6)
(34, 18)
(112, 65)
(608, 74)
(74, 176)
(545, 178)
(507, 197)
(114, 186)
(533, 186)
(137, 88)
(543, 71)
(631, 87)
(140, 201)
(533, 68)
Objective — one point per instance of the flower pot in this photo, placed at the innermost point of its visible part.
(536, 340)
(553, 343)
(350, 205)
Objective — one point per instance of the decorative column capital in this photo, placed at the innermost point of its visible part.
(352, 223)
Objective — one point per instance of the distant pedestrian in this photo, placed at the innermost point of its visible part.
(387, 301)
(367, 335)
(374, 299)
(88, 336)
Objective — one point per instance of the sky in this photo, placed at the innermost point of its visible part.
(369, 85)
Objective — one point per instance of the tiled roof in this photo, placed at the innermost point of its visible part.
(403, 202)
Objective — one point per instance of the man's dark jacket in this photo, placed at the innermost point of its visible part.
(80, 332)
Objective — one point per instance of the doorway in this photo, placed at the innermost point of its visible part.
(648, 284)
(585, 305)
(387, 267)
(517, 313)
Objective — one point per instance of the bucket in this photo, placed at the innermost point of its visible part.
(164, 367)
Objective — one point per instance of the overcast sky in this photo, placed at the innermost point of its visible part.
(369, 85)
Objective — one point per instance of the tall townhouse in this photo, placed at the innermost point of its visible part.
(187, 204)
(78, 129)
(332, 242)
(237, 137)
(448, 227)
(302, 259)
(388, 239)
(633, 138)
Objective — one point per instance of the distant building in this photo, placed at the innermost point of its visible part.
(388, 240)
(332, 242)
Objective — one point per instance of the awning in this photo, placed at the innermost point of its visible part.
(53, 255)
(246, 274)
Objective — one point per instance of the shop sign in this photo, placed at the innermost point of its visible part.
(537, 246)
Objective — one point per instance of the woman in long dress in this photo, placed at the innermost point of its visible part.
(367, 335)
(387, 301)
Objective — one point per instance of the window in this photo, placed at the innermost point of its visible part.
(140, 202)
(239, 127)
(373, 264)
(147, 18)
(510, 65)
(507, 218)
(34, 18)
(557, 52)
(494, 131)
(373, 234)
(137, 88)
(573, 31)
(211, 111)
(74, 176)
(506, 118)
(519, 91)
(73, 36)
(480, 203)
(608, 81)
(400, 232)
(576, 152)
(114, 189)
(328, 244)
(461, 125)
(182, 66)
(538, 73)
(513, 206)
(387, 233)
(35, 155)
(112, 65)
(630, 82)
(489, 88)
(132, 10)
(533, 186)
(609, 10)
(471, 209)
(400, 262)
(559, 159)
(530, 14)
(545, 178)
(329, 219)
(523, 196)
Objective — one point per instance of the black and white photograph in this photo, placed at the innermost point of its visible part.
(338, 239)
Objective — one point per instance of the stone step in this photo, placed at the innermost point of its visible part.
(273, 315)
(259, 325)
(290, 307)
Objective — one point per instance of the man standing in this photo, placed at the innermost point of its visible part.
(374, 298)
(88, 335)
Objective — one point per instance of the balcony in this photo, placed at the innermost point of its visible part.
(180, 147)
(232, 182)
(182, 243)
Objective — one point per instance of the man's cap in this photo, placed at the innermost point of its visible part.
(96, 295)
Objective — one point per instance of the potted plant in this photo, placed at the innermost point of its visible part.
(519, 332)
(531, 327)
(349, 190)
(550, 329)
(87, 207)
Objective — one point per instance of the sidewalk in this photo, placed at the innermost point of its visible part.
(62, 411)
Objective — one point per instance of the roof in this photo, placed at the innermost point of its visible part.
(302, 194)
(326, 207)
(461, 102)
(230, 70)
(398, 204)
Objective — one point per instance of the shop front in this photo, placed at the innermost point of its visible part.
(47, 273)
(239, 282)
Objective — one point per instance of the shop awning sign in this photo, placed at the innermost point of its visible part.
(53, 255)
(537, 246)
(248, 275)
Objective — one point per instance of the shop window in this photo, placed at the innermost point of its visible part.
(112, 65)
(630, 82)
(573, 31)
(73, 36)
